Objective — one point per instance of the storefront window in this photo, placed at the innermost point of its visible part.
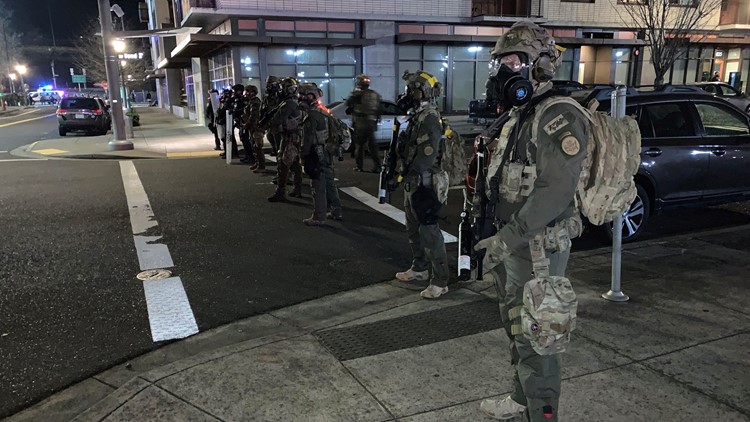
(220, 70)
(190, 90)
(564, 72)
(250, 66)
(332, 69)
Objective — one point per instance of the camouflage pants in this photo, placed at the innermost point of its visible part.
(427, 246)
(364, 137)
(537, 378)
(257, 138)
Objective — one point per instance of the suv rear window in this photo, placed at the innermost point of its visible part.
(79, 103)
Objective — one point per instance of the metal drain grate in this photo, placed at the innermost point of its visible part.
(411, 331)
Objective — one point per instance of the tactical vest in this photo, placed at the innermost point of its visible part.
(321, 136)
(368, 104)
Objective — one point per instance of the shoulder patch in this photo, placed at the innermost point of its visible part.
(555, 124)
(428, 150)
(570, 145)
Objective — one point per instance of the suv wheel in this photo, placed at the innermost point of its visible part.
(635, 218)
(62, 131)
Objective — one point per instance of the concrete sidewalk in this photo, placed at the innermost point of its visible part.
(677, 351)
(160, 135)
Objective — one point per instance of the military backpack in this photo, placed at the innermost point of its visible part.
(606, 187)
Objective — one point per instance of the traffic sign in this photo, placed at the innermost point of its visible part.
(79, 79)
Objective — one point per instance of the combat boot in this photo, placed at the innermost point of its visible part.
(278, 197)
(313, 222)
(505, 410)
(433, 292)
(411, 275)
(296, 193)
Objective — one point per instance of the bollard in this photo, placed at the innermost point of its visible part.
(615, 293)
(230, 132)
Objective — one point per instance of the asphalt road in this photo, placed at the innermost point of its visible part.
(23, 127)
(70, 303)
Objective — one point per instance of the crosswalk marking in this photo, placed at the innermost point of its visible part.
(169, 312)
(387, 209)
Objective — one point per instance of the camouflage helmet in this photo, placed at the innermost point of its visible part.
(363, 81)
(534, 43)
(424, 83)
(289, 87)
(306, 89)
(251, 90)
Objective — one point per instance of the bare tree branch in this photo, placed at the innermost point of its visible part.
(668, 27)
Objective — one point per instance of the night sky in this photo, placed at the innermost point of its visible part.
(69, 17)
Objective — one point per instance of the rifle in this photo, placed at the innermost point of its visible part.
(388, 170)
(268, 116)
(483, 226)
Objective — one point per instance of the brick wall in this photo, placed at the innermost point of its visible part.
(396, 8)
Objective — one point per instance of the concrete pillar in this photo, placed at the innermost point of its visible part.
(202, 85)
(380, 61)
(174, 85)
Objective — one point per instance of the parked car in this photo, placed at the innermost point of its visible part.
(384, 132)
(727, 92)
(695, 150)
(83, 114)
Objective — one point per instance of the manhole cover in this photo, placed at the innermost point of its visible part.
(154, 274)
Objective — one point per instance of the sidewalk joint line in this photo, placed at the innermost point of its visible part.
(364, 387)
(187, 402)
(124, 402)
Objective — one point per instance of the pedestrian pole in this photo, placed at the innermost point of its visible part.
(230, 132)
(615, 293)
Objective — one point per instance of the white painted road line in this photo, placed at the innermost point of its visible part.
(18, 115)
(26, 120)
(12, 160)
(169, 312)
(3, 152)
(387, 209)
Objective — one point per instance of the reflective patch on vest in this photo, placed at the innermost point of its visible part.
(570, 145)
(556, 124)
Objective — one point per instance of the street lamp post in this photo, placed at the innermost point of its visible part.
(120, 141)
(21, 69)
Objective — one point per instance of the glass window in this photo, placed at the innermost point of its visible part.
(312, 71)
(278, 55)
(669, 121)
(465, 53)
(410, 66)
(311, 55)
(564, 72)
(342, 70)
(342, 55)
(248, 32)
(340, 35)
(678, 71)
(409, 52)
(480, 80)
(289, 34)
(727, 91)
(340, 88)
(249, 62)
(282, 71)
(435, 52)
(720, 121)
(462, 86)
(311, 34)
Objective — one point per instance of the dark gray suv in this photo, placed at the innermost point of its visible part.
(85, 114)
(695, 150)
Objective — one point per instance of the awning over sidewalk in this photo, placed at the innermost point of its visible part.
(199, 45)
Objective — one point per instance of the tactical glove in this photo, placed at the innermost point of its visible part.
(496, 253)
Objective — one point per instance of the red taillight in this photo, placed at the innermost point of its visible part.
(97, 112)
(61, 111)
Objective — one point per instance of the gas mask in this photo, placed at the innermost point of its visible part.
(509, 83)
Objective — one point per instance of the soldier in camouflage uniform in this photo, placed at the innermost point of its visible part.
(272, 100)
(315, 157)
(250, 122)
(364, 106)
(288, 120)
(425, 188)
(532, 188)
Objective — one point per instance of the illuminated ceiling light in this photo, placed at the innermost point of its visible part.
(474, 49)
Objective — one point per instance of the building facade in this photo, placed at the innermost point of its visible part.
(223, 42)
